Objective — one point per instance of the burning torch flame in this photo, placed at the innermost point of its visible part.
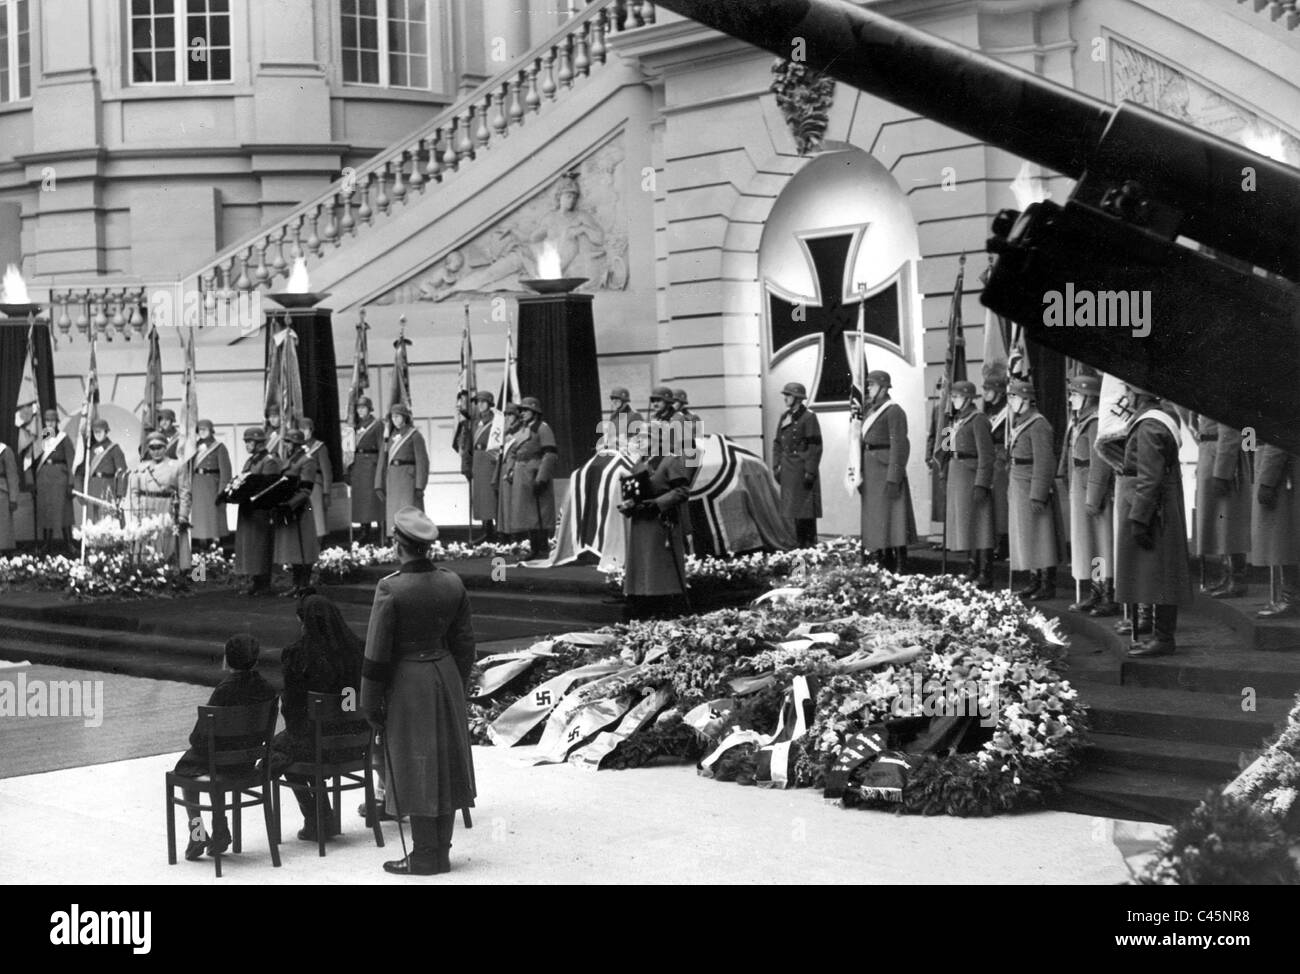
(1027, 189)
(13, 290)
(298, 281)
(1267, 142)
(548, 262)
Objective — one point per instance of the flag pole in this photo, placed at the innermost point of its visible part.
(88, 437)
(467, 431)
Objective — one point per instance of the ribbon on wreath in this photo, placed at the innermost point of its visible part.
(857, 751)
(775, 759)
(533, 707)
(501, 668)
(590, 755)
(579, 716)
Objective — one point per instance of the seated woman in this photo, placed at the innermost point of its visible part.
(326, 658)
(243, 687)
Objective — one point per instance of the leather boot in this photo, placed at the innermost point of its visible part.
(446, 825)
(1161, 640)
(1034, 584)
(1139, 616)
(889, 559)
(1234, 578)
(423, 857)
(900, 559)
(1106, 605)
(1288, 596)
(972, 567)
(1090, 600)
(1210, 584)
(1046, 586)
(984, 566)
(307, 805)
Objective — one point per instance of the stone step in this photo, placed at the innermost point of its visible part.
(1196, 759)
(1174, 715)
(580, 609)
(1143, 795)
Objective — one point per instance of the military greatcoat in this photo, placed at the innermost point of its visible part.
(656, 540)
(485, 472)
(1222, 523)
(419, 654)
(108, 472)
(1080, 467)
(323, 485)
(531, 460)
(254, 536)
(797, 452)
(210, 471)
(1033, 465)
(1275, 536)
(1150, 492)
(53, 470)
(367, 507)
(970, 465)
(9, 487)
(999, 420)
(886, 523)
(403, 471)
(296, 542)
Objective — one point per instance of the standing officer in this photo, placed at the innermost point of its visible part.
(655, 569)
(531, 474)
(1151, 534)
(1032, 519)
(273, 430)
(1275, 540)
(320, 493)
(209, 472)
(999, 414)
(161, 485)
(1222, 504)
(53, 483)
(108, 471)
(621, 418)
(967, 450)
(888, 522)
(419, 654)
(692, 425)
(254, 536)
(403, 470)
(296, 543)
(367, 505)
(796, 456)
(483, 479)
(1087, 477)
(506, 528)
(9, 487)
(167, 427)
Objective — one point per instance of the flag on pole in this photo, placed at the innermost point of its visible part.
(954, 365)
(89, 411)
(153, 391)
(189, 431)
(28, 416)
(1115, 414)
(462, 439)
(283, 382)
(401, 391)
(857, 395)
(509, 393)
(360, 368)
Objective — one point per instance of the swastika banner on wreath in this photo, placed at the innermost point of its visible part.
(530, 709)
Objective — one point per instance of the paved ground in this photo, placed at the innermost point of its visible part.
(104, 824)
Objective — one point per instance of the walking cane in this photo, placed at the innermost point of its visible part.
(397, 802)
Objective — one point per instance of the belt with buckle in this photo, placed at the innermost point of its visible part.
(877, 446)
(1022, 461)
(1080, 463)
(967, 456)
(401, 463)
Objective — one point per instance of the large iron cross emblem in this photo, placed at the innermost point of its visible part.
(831, 315)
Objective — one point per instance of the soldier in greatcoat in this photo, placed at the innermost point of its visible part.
(999, 414)
(655, 568)
(209, 472)
(273, 431)
(9, 488)
(367, 505)
(888, 521)
(1275, 520)
(52, 471)
(403, 469)
(965, 448)
(506, 529)
(419, 655)
(108, 472)
(254, 535)
(320, 493)
(531, 474)
(1088, 479)
(160, 486)
(1151, 527)
(691, 424)
(1223, 499)
(1032, 518)
(296, 544)
(796, 462)
(484, 473)
(619, 426)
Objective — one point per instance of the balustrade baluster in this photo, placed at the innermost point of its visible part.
(137, 319)
(83, 321)
(279, 264)
(382, 200)
(647, 12)
(416, 179)
(498, 115)
(364, 211)
(242, 283)
(260, 273)
(65, 321)
(581, 60)
(548, 79)
(434, 169)
(533, 99)
(565, 73)
(450, 159)
(598, 26)
(295, 252)
(465, 144)
(516, 104)
(313, 239)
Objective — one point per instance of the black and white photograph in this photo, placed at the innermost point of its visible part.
(617, 443)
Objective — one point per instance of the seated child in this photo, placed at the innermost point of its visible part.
(244, 686)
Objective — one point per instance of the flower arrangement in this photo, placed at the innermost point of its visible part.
(876, 644)
(109, 535)
(337, 565)
(112, 571)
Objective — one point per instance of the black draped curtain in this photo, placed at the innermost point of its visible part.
(319, 374)
(13, 359)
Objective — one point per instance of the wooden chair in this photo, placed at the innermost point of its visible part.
(341, 759)
(246, 733)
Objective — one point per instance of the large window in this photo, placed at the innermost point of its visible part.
(177, 42)
(15, 50)
(386, 42)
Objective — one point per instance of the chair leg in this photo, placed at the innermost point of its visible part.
(336, 820)
(238, 846)
(272, 822)
(171, 828)
(275, 795)
(218, 815)
(464, 814)
(321, 830)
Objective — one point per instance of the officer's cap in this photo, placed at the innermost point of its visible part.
(795, 389)
(255, 433)
(412, 524)
(156, 439)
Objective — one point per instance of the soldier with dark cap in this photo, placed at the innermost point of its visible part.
(484, 474)
(1223, 500)
(273, 431)
(966, 448)
(1089, 480)
(505, 521)
(1275, 520)
(167, 427)
(692, 425)
(320, 493)
(403, 470)
(52, 475)
(531, 474)
(254, 535)
(209, 472)
(888, 521)
(796, 459)
(367, 505)
(296, 544)
(1151, 529)
(419, 655)
(655, 566)
(999, 414)
(620, 420)
(108, 472)
(1032, 516)
(161, 486)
